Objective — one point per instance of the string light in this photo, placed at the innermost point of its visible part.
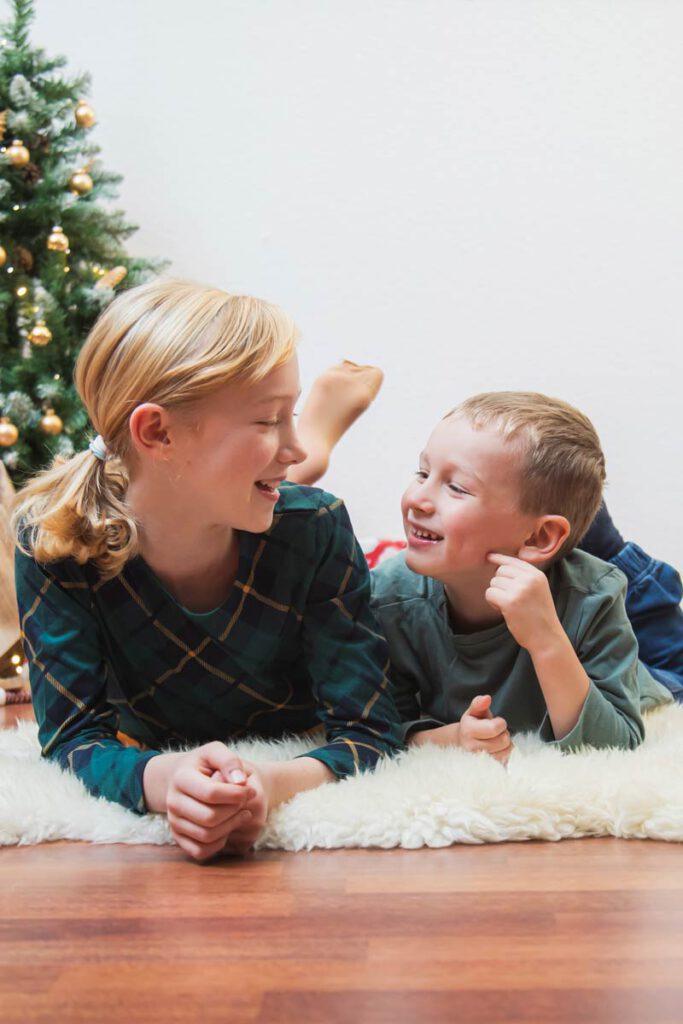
(22, 290)
(15, 659)
(10, 270)
(16, 207)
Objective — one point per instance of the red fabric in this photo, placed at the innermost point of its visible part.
(377, 551)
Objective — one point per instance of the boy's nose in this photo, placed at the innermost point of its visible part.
(422, 503)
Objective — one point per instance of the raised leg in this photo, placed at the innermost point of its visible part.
(336, 400)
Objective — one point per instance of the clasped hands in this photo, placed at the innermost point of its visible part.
(216, 802)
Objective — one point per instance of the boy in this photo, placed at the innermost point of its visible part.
(492, 610)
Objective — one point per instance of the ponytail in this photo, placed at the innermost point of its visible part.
(77, 509)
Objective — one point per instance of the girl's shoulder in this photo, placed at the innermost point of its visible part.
(63, 570)
(303, 500)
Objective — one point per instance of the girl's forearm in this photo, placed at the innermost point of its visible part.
(285, 779)
(564, 682)
(155, 780)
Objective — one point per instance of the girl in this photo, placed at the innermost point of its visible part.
(172, 588)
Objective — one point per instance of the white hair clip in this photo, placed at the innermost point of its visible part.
(98, 446)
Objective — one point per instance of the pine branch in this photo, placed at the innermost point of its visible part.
(17, 30)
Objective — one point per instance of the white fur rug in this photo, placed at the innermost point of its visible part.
(427, 797)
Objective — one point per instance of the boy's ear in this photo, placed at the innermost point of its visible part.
(548, 536)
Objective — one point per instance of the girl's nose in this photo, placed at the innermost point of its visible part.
(293, 452)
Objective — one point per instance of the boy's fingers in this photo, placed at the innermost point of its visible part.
(506, 571)
(480, 706)
(498, 559)
(490, 728)
(499, 744)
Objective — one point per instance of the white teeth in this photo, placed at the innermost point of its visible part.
(425, 534)
(264, 485)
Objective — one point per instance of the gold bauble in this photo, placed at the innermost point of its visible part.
(51, 423)
(80, 182)
(17, 154)
(57, 240)
(3, 257)
(112, 278)
(9, 434)
(40, 334)
(85, 115)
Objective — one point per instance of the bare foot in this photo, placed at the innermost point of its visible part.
(336, 400)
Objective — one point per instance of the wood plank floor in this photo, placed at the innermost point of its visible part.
(579, 931)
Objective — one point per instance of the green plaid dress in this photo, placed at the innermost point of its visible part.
(294, 645)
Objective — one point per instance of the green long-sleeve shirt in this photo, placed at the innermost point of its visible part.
(295, 644)
(436, 672)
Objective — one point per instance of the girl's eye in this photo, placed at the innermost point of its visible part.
(269, 423)
(456, 489)
(421, 474)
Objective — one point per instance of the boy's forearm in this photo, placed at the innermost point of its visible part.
(442, 736)
(564, 682)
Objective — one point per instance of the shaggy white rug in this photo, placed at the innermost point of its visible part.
(426, 797)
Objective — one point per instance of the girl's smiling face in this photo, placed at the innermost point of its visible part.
(464, 502)
(237, 447)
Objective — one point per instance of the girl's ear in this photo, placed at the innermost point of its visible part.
(148, 425)
(543, 544)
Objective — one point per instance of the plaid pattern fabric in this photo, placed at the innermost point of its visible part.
(294, 645)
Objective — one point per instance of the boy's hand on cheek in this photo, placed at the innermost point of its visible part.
(521, 593)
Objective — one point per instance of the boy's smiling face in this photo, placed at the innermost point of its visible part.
(463, 502)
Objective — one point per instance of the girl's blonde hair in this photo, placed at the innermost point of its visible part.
(169, 342)
(562, 464)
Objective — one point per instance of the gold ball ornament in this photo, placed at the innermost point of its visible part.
(9, 434)
(51, 423)
(80, 182)
(17, 154)
(40, 335)
(85, 115)
(57, 240)
(3, 256)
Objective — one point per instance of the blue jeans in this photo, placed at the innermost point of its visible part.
(653, 605)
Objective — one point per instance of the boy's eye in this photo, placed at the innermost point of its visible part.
(269, 423)
(456, 489)
(421, 474)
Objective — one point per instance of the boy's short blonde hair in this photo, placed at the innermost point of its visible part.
(562, 462)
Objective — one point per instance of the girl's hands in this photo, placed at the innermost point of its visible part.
(243, 837)
(214, 801)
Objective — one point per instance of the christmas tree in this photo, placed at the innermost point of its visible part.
(61, 248)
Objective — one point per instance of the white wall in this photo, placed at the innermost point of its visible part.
(474, 194)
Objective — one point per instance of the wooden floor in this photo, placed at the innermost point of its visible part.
(578, 931)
